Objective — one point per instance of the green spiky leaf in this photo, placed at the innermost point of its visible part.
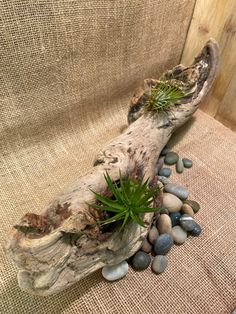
(164, 95)
(131, 199)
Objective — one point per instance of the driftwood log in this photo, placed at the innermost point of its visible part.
(64, 243)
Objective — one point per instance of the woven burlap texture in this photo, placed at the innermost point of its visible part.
(69, 69)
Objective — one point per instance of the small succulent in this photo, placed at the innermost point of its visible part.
(130, 199)
(164, 95)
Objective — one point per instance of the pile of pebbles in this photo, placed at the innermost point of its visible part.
(173, 224)
(171, 158)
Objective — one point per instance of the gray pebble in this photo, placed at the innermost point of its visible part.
(187, 163)
(115, 272)
(141, 261)
(163, 244)
(177, 190)
(197, 230)
(146, 246)
(179, 166)
(179, 235)
(159, 264)
(171, 158)
(153, 234)
(187, 223)
(165, 172)
(195, 206)
(164, 151)
(163, 180)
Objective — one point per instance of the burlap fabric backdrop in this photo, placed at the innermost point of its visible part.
(68, 69)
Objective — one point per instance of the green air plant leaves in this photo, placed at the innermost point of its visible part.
(131, 198)
(164, 95)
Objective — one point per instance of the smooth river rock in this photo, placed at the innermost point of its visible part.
(165, 150)
(187, 163)
(163, 244)
(197, 230)
(187, 223)
(175, 217)
(160, 185)
(146, 246)
(115, 272)
(179, 166)
(177, 190)
(164, 224)
(153, 234)
(165, 172)
(171, 158)
(186, 209)
(179, 235)
(163, 180)
(141, 261)
(171, 202)
(195, 206)
(159, 264)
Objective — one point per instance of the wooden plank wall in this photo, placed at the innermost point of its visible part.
(217, 19)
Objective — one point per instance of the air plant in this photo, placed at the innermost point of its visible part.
(130, 199)
(165, 95)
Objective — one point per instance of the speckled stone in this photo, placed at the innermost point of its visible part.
(186, 209)
(163, 244)
(153, 234)
(177, 190)
(171, 202)
(159, 264)
(163, 180)
(187, 163)
(165, 172)
(164, 224)
(141, 261)
(179, 166)
(195, 206)
(171, 158)
(175, 217)
(115, 272)
(179, 235)
(187, 223)
(197, 230)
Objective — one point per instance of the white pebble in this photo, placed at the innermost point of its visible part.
(115, 272)
(179, 235)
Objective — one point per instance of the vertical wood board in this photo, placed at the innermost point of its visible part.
(217, 19)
